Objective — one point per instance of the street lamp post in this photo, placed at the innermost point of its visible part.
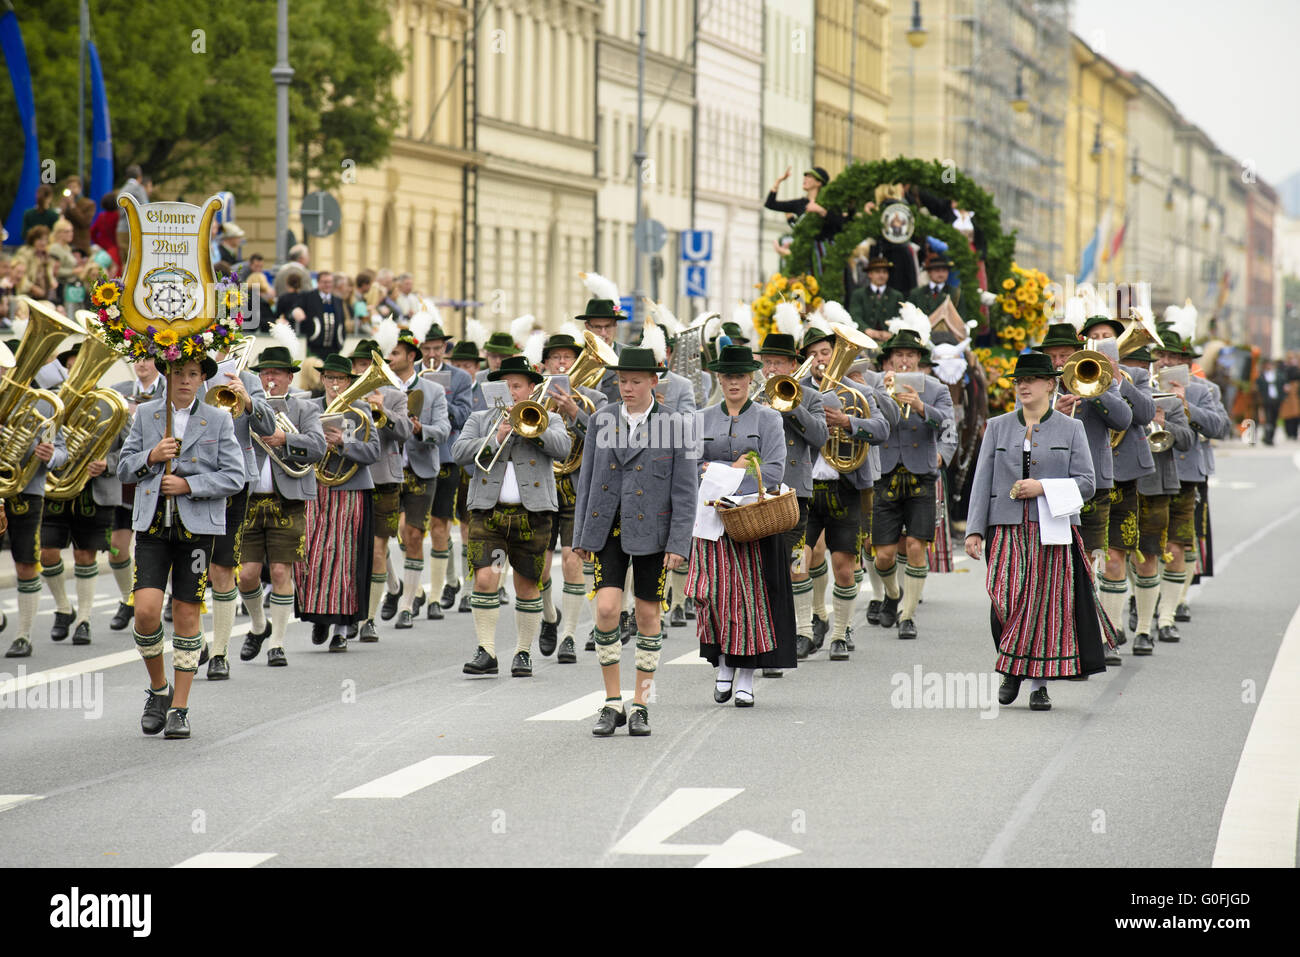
(282, 74)
(915, 40)
(639, 157)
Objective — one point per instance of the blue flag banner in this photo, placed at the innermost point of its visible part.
(20, 75)
(101, 164)
(1089, 260)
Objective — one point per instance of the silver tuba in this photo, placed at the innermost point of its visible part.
(688, 360)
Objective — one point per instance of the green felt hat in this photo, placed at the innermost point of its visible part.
(561, 340)
(904, 339)
(515, 365)
(363, 349)
(1097, 320)
(435, 334)
(502, 344)
(464, 351)
(735, 360)
(337, 363)
(275, 357)
(1034, 364)
(778, 344)
(635, 359)
(814, 335)
(206, 363)
(1139, 355)
(601, 309)
(1060, 334)
(732, 331)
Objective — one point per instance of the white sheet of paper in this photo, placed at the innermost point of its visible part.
(719, 479)
(496, 391)
(1060, 500)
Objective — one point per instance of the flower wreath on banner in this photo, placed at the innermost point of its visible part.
(803, 290)
(166, 344)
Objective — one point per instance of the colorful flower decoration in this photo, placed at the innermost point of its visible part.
(802, 290)
(166, 343)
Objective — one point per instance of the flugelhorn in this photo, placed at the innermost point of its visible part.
(377, 375)
(225, 397)
(783, 392)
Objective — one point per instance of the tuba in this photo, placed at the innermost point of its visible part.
(327, 473)
(585, 373)
(91, 418)
(843, 453)
(22, 423)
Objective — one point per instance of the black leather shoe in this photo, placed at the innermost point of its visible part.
(319, 633)
(839, 650)
(591, 641)
(721, 697)
(1121, 638)
(448, 596)
(204, 654)
(1169, 633)
(122, 617)
(873, 612)
(483, 664)
(178, 723)
(638, 722)
(745, 699)
(502, 597)
(218, 668)
(339, 643)
(1038, 701)
(568, 654)
(434, 611)
(81, 636)
(253, 644)
(848, 638)
(464, 604)
(1132, 614)
(155, 710)
(1008, 690)
(688, 608)
(607, 721)
(522, 665)
(1182, 612)
(1113, 660)
(167, 608)
(626, 627)
(803, 647)
(21, 648)
(276, 659)
(62, 619)
(820, 626)
(907, 628)
(417, 604)
(1142, 645)
(404, 620)
(772, 672)
(677, 617)
(389, 608)
(368, 632)
(889, 612)
(548, 636)
(351, 631)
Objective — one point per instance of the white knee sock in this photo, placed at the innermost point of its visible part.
(548, 602)
(451, 572)
(29, 597)
(123, 576)
(803, 607)
(486, 610)
(378, 584)
(877, 583)
(437, 572)
(412, 572)
(1112, 592)
(281, 606)
(1171, 587)
(842, 599)
(1148, 590)
(819, 578)
(86, 575)
(394, 580)
(256, 613)
(571, 607)
(528, 622)
(726, 674)
(679, 585)
(890, 578)
(913, 584)
(54, 580)
(223, 619)
(745, 681)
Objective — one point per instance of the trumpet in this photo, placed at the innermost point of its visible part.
(223, 396)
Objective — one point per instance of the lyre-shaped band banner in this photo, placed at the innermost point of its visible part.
(168, 280)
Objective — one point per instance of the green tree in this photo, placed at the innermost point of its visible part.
(191, 96)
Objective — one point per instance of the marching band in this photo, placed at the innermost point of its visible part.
(236, 481)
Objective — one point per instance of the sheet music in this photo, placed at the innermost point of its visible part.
(497, 393)
(719, 479)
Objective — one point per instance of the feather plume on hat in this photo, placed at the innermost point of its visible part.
(522, 327)
(913, 318)
(533, 347)
(835, 313)
(1184, 323)
(386, 335)
(653, 338)
(742, 314)
(599, 287)
(476, 333)
(420, 324)
(1094, 302)
(284, 335)
(1076, 312)
(663, 317)
(787, 320)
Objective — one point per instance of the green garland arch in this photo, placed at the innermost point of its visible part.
(857, 184)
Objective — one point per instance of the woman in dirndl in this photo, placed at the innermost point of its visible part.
(332, 587)
(1046, 619)
(744, 605)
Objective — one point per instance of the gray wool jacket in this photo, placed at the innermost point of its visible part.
(1132, 457)
(1164, 481)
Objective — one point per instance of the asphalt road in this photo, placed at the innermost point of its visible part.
(1131, 768)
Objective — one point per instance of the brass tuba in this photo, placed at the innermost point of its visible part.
(585, 373)
(842, 452)
(377, 375)
(91, 417)
(22, 424)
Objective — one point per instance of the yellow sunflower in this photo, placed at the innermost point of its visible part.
(232, 298)
(1008, 284)
(106, 293)
(165, 338)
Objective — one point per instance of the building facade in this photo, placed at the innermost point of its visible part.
(788, 45)
(1263, 317)
(851, 83)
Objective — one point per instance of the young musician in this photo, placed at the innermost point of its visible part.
(175, 543)
(511, 508)
(465, 357)
(275, 529)
(635, 509)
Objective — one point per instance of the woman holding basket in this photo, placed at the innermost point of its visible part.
(1046, 620)
(743, 600)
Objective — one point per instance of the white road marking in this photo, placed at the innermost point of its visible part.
(1213, 482)
(225, 859)
(580, 708)
(691, 657)
(8, 801)
(62, 673)
(419, 775)
(686, 806)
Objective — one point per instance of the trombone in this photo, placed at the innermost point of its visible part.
(528, 418)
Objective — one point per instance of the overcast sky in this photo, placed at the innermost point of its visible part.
(1229, 68)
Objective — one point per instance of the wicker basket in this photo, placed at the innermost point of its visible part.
(770, 515)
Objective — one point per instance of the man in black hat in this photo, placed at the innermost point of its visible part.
(602, 318)
(635, 510)
(465, 356)
(275, 527)
(929, 296)
(875, 303)
(512, 503)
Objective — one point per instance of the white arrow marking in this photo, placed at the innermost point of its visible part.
(579, 709)
(225, 859)
(690, 658)
(420, 775)
(685, 806)
(8, 801)
(1220, 483)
